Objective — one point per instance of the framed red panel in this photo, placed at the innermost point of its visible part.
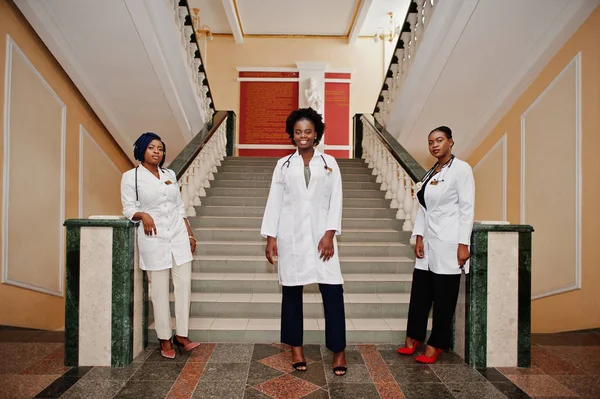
(264, 107)
(269, 74)
(338, 154)
(337, 113)
(337, 75)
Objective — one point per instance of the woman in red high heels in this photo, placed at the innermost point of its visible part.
(443, 232)
(150, 195)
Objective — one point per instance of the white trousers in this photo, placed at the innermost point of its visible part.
(159, 290)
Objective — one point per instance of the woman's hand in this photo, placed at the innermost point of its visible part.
(325, 248)
(193, 243)
(271, 249)
(149, 225)
(419, 248)
(462, 254)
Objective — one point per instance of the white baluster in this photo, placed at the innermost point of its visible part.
(400, 195)
(394, 185)
(384, 169)
(408, 205)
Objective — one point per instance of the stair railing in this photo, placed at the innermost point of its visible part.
(397, 171)
(194, 58)
(413, 30)
(197, 163)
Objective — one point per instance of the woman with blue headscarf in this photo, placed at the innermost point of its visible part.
(150, 195)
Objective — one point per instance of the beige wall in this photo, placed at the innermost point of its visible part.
(365, 57)
(38, 88)
(547, 113)
(490, 191)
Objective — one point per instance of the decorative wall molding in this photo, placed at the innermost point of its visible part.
(12, 47)
(83, 133)
(502, 142)
(576, 63)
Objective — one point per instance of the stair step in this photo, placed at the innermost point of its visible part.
(263, 192)
(250, 305)
(257, 248)
(248, 234)
(268, 177)
(256, 221)
(267, 330)
(256, 283)
(241, 210)
(218, 183)
(240, 201)
(258, 264)
(269, 168)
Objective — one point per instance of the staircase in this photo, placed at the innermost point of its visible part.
(236, 295)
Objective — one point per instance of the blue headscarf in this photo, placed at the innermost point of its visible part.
(142, 143)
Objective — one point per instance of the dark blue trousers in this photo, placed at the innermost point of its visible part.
(292, 319)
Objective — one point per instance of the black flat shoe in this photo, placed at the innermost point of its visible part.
(297, 366)
(343, 369)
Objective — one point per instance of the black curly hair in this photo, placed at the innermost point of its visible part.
(308, 114)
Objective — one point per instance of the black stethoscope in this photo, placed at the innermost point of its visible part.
(287, 164)
(431, 171)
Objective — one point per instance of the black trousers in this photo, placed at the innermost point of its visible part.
(441, 291)
(292, 319)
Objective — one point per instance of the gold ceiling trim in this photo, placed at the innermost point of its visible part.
(346, 36)
(358, 4)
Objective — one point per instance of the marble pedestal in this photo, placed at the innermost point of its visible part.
(493, 315)
(106, 305)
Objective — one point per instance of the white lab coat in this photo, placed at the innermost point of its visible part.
(298, 217)
(163, 202)
(448, 219)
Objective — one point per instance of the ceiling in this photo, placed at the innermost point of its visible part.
(347, 19)
(150, 86)
(472, 66)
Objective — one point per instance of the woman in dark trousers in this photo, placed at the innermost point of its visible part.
(302, 218)
(443, 231)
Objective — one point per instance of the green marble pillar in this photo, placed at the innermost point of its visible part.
(106, 294)
(497, 298)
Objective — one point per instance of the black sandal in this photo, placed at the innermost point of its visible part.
(297, 366)
(344, 369)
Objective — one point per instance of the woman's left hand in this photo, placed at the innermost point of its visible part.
(193, 244)
(462, 254)
(325, 248)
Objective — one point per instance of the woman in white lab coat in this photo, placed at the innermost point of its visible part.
(443, 232)
(302, 217)
(150, 195)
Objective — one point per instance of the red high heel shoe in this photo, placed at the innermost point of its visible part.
(408, 351)
(170, 354)
(428, 360)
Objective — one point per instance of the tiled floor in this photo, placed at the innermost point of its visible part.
(563, 365)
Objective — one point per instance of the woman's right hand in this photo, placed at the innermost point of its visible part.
(271, 249)
(419, 248)
(149, 225)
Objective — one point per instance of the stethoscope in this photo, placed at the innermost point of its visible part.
(287, 164)
(432, 170)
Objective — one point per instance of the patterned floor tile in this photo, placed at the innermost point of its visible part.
(282, 362)
(510, 390)
(389, 391)
(475, 390)
(541, 385)
(186, 383)
(97, 389)
(567, 339)
(585, 386)
(551, 364)
(260, 373)
(113, 373)
(458, 374)
(345, 391)
(202, 353)
(23, 386)
(158, 372)
(224, 372)
(356, 374)
(314, 374)
(413, 374)
(426, 390)
(287, 387)
(262, 351)
(144, 389)
(16, 357)
(251, 393)
(233, 389)
(232, 353)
